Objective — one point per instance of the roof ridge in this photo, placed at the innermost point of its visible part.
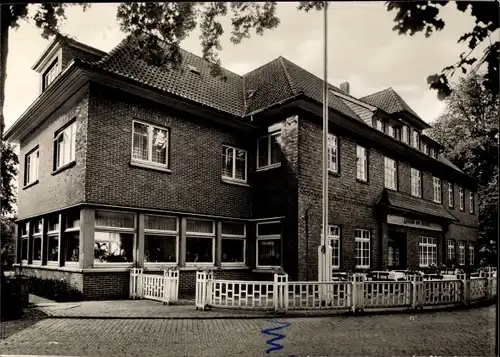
(380, 91)
(291, 83)
(111, 53)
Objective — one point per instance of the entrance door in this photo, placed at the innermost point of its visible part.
(396, 252)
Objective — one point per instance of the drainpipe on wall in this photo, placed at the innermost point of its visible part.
(306, 219)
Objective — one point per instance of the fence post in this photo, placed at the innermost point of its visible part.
(276, 293)
(136, 283)
(200, 290)
(417, 283)
(465, 279)
(209, 289)
(358, 293)
(131, 293)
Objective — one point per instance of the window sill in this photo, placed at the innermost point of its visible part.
(234, 182)
(225, 266)
(64, 167)
(107, 266)
(51, 267)
(267, 168)
(190, 267)
(30, 184)
(158, 266)
(265, 270)
(333, 173)
(150, 166)
(390, 188)
(364, 182)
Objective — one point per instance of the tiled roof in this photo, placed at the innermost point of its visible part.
(445, 161)
(406, 202)
(389, 101)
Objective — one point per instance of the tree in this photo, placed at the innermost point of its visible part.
(420, 16)
(468, 130)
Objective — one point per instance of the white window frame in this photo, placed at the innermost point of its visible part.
(416, 182)
(333, 151)
(461, 199)
(431, 151)
(405, 134)
(391, 131)
(461, 253)
(204, 236)
(390, 169)
(269, 151)
(238, 238)
(362, 240)
(361, 163)
(425, 245)
(25, 237)
(53, 233)
(451, 254)
(37, 235)
(267, 237)
(149, 161)
(470, 248)
(70, 131)
(425, 148)
(233, 176)
(166, 233)
(471, 202)
(71, 230)
(379, 125)
(32, 172)
(437, 189)
(335, 235)
(451, 197)
(106, 229)
(51, 68)
(416, 139)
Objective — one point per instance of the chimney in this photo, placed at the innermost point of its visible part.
(344, 87)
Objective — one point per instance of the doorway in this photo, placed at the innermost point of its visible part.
(396, 251)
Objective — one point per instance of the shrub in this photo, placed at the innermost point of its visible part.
(54, 289)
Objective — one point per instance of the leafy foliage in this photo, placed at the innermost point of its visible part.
(423, 16)
(9, 162)
(469, 132)
(7, 243)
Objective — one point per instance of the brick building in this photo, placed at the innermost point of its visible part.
(126, 164)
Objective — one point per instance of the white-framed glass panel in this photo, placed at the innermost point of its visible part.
(53, 247)
(51, 73)
(333, 153)
(234, 164)
(391, 131)
(65, 146)
(150, 144)
(437, 189)
(71, 247)
(427, 251)
(31, 167)
(450, 195)
(425, 148)
(461, 253)
(390, 174)
(269, 244)
(37, 242)
(269, 150)
(161, 239)
(416, 139)
(334, 241)
(392, 256)
(362, 238)
(114, 237)
(405, 137)
(200, 241)
(361, 163)
(380, 125)
(416, 183)
(451, 250)
(431, 151)
(461, 198)
(233, 244)
(471, 253)
(471, 202)
(24, 242)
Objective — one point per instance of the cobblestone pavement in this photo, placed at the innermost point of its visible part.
(456, 333)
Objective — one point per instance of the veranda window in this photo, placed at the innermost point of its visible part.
(24, 242)
(53, 240)
(161, 239)
(269, 244)
(37, 242)
(71, 239)
(200, 242)
(233, 235)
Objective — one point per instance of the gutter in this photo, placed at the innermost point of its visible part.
(284, 101)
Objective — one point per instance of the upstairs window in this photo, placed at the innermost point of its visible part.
(269, 151)
(405, 137)
(51, 74)
(234, 164)
(333, 153)
(390, 173)
(361, 163)
(416, 139)
(391, 131)
(150, 144)
(425, 149)
(416, 183)
(437, 189)
(461, 198)
(31, 165)
(450, 195)
(471, 202)
(65, 146)
(431, 151)
(380, 125)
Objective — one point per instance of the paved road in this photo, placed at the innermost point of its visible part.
(457, 333)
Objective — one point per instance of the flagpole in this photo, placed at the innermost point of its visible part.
(325, 135)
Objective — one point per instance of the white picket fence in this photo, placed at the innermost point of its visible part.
(355, 295)
(163, 288)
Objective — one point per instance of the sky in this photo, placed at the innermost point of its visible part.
(362, 49)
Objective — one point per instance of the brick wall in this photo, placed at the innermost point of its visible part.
(194, 185)
(106, 285)
(74, 279)
(64, 188)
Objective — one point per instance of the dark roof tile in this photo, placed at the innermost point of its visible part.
(389, 101)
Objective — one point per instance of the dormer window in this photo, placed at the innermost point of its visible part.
(51, 73)
(380, 125)
(431, 151)
(416, 139)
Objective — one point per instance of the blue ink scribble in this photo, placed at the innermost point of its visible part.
(277, 337)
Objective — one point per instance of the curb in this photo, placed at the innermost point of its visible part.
(341, 313)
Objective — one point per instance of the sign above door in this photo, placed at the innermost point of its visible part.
(415, 223)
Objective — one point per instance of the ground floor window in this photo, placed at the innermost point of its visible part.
(161, 238)
(392, 256)
(37, 248)
(334, 239)
(451, 250)
(471, 254)
(362, 238)
(71, 246)
(233, 244)
(269, 244)
(428, 251)
(53, 248)
(200, 241)
(113, 247)
(461, 253)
